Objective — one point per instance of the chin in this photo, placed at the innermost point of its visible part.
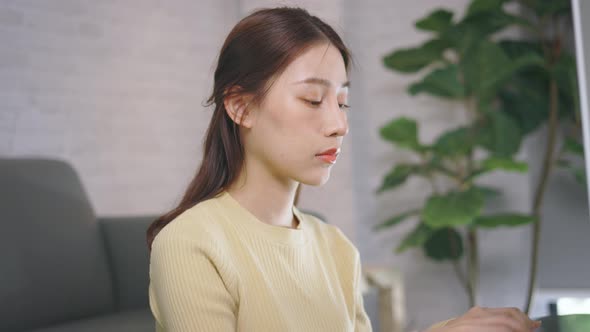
(316, 180)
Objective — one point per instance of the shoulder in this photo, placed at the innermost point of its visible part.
(196, 225)
(332, 236)
(335, 249)
(195, 239)
(192, 243)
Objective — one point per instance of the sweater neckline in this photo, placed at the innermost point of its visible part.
(248, 222)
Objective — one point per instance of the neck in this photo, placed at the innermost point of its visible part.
(267, 197)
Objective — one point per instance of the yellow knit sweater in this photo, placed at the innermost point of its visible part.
(216, 267)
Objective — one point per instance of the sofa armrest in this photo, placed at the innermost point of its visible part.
(125, 242)
(391, 297)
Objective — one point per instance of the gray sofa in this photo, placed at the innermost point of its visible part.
(62, 268)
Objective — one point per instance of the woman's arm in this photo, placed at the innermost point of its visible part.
(189, 291)
(361, 320)
(440, 324)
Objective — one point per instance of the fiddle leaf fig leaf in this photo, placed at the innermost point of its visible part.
(528, 106)
(487, 67)
(454, 208)
(496, 163)
(502, 137)
(499, 163)
(549, 7)
(398, 176)
(482, 6)
(517, 48)
(415, 238)
(483, 20)
(455, 142)
(410, 60)
(444, 244)
(403, 132)
(507, 219)
(442, 82)
(437, 21)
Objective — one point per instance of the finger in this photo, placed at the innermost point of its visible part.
(516, 313)
(477, 311)
(514, 322)
(520, 316)
(498, 320)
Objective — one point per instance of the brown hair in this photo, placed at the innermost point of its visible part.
(256, 51)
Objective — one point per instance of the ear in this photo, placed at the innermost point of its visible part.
(237, 105)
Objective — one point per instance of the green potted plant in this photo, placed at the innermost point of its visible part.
(509, 87)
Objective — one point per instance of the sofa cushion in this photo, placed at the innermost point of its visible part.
(130, 259)
(54, 265)
(130, 321)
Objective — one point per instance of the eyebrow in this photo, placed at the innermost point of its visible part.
(321, 81)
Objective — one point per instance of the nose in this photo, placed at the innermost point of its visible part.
(336, 123)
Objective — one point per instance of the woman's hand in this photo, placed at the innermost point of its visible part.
(479, 319)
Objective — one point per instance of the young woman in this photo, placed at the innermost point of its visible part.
(236, 254)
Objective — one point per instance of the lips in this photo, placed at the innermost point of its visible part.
(329, 156)
(328, 152)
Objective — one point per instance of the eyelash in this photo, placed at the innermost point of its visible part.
(317, 103)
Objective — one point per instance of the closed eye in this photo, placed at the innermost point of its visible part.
(314, 102)
(317, 103)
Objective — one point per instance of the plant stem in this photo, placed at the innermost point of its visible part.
(540, 192)
(473, 266)
(429, 175)
(461, 276)
(471, 280)
(552, 50)
(456, 263)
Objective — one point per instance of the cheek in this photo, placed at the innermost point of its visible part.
(290, 119)
(288, 132)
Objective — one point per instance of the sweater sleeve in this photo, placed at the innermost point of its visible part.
(439, 324)
(361, 321)
(190, 293)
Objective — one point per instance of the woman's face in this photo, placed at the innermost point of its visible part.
(297, 130)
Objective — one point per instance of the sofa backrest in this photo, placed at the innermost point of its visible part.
(53, 265)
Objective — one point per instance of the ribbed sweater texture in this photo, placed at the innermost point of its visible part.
(216, 267)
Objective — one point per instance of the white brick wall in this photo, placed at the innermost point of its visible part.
(115, 87)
